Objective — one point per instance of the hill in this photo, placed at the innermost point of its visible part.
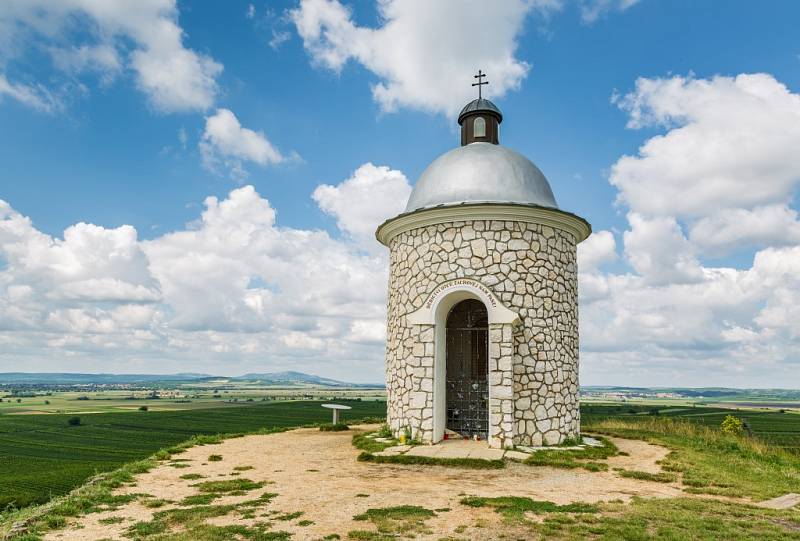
(288, 378)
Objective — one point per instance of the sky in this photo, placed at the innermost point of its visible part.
(194, 186)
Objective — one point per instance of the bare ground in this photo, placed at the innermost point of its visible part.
(317, 473)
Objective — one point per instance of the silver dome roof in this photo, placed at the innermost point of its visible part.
(481, 173)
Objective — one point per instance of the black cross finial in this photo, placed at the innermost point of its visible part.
(480, 82)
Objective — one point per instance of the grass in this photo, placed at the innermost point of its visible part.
(215, 458)
(514, 507)
(363, 441)
(192, 476)
(189, 525)
(43, 457)
(671, 520)
(472, 463)
(660, 477)
(585, 458)
(338, 427)
(228, 485)
(712, 462)
(393, 522)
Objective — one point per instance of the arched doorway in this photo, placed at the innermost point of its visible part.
(467, 365)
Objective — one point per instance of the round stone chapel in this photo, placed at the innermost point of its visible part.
(482, 336)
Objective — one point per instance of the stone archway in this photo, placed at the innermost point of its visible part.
(431, 320)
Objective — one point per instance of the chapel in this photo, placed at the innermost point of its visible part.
(482, 330)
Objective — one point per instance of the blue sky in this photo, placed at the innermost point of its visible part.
(93, 142)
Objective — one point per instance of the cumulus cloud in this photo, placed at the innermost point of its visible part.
(226, 143)
(731, 143)
(230, 292)
(363, 201)
(423, 53)
(144, 36)
(725, 170)
(599, 248)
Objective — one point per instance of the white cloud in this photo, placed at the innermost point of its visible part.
(35, 96)
(362, 202)
(725, 170)
(251, 11)
(592, 10)
(144, 36)
(423, 53)
(599, 248)
(732, 143)
(229, 293)
(226, 143)
(728, 230)
(657, 249)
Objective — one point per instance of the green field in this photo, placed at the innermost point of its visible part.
(780, 429)
(41, 455)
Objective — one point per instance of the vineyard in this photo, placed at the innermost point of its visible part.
(42, 455)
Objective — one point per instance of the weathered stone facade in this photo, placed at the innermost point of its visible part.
(533, 362)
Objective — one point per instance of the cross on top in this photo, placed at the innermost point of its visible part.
(480, 82)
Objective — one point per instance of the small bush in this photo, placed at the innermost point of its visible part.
(143, 408)
(74, 421)
(732, 425)
(214, 458)
(338, 427)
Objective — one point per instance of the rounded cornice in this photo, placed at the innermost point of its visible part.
(558, 219)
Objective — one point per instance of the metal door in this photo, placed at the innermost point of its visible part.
(467, 342)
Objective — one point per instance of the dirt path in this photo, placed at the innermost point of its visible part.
(317, 473)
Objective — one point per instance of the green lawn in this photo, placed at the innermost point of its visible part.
(42, 456)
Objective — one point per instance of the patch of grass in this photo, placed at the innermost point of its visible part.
(228, 485)
(473, 463)
(361, 440)
(331, 537)
(673, 519)
(407, 520)
(661, 477)
(290, 516)
(146, 529)
(111, 520)
(513, 508)
(155, 503)
(179, 465)
(191, 526)
(368, 535)
(569, 459)
(711, 461)
(362, 495)
(192, 476)
(261, 500)
(199, 499)
(338, 427)
(242, 468)
(305, 522)
(214, 458)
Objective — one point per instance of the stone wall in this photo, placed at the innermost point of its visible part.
(533, 366)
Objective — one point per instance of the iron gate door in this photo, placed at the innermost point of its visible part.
(467, 342)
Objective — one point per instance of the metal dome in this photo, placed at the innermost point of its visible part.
(481, 173)
(481, 104)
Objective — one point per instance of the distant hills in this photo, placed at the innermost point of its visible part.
(287, 378)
